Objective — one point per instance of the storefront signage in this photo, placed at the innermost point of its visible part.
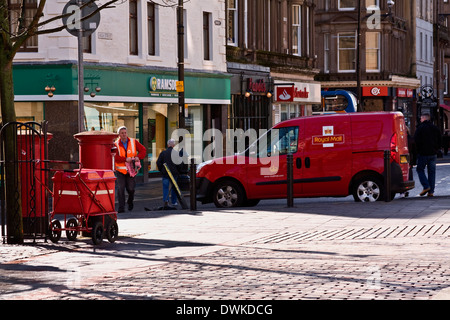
(256, 86)
(302, 92)
(299, 93)
(375, 91)
(290, 93)
(162, 87)
(285, 94)
(404, 93)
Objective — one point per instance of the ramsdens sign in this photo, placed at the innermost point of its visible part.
(162, 86)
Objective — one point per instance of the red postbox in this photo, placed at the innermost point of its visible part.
(30, 148)
(33, 178)
(96, 149)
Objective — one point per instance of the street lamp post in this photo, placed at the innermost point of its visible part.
(181, 98)
(358, 59)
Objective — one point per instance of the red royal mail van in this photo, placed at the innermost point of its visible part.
(334, 155)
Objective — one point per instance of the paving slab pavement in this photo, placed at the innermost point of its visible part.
(316, 250)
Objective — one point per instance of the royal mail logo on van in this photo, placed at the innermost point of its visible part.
(339, 138)
(328, 138)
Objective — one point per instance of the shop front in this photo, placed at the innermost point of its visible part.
(250, 104)
(144, 100)
(296, 99)
(406, 104)
(383, 98)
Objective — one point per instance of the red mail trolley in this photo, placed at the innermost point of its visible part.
(85, 199)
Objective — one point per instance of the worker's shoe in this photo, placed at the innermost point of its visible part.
(424, 191)
(130, 206)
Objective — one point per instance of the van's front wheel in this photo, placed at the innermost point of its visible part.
(228, 194)
(368, 189)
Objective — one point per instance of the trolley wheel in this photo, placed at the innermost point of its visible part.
(54, 230)
(112, 231)
(72, 223)
(97, 232)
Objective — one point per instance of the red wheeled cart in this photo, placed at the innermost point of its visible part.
(85, 198)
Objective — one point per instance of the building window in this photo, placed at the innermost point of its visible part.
(445, 78)
(372, 3)
(232, 27)
(373, 51)
(421, 46)
(347, 52)
(347, 4)
(308, 31)
(134, 47)
(87, 44)
(326, 54)
(151, 28)
(297, 30)
(26, 9)
(207, 36)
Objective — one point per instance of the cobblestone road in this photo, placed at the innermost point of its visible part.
(413, 266)
(316, 250)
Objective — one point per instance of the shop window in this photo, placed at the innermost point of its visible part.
(110, 116)
(29, 111)
(289, 111)
(162, 122)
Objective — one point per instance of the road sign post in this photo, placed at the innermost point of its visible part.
(81, 18)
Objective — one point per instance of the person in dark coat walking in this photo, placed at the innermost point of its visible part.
(167, 157)
(428, 143)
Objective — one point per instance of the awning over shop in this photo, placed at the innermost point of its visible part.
(119, 84)
(446, 107)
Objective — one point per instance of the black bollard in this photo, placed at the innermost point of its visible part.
(387, 176)
(290, 180)
(193, 185)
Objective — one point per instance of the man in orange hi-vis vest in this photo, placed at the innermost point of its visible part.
(129, 150)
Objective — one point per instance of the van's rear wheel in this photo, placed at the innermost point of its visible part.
(368, 189)
(228, 194)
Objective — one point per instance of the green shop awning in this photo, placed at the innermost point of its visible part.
(118, 84)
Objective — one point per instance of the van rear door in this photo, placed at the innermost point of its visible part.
(327, 156)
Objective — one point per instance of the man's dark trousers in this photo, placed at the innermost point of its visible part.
(125, 181)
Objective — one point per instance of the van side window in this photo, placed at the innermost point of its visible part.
(276, 141)
(283, 141)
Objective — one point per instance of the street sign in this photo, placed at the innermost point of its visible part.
(180, 86)
(428, 103)
(73, 13)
